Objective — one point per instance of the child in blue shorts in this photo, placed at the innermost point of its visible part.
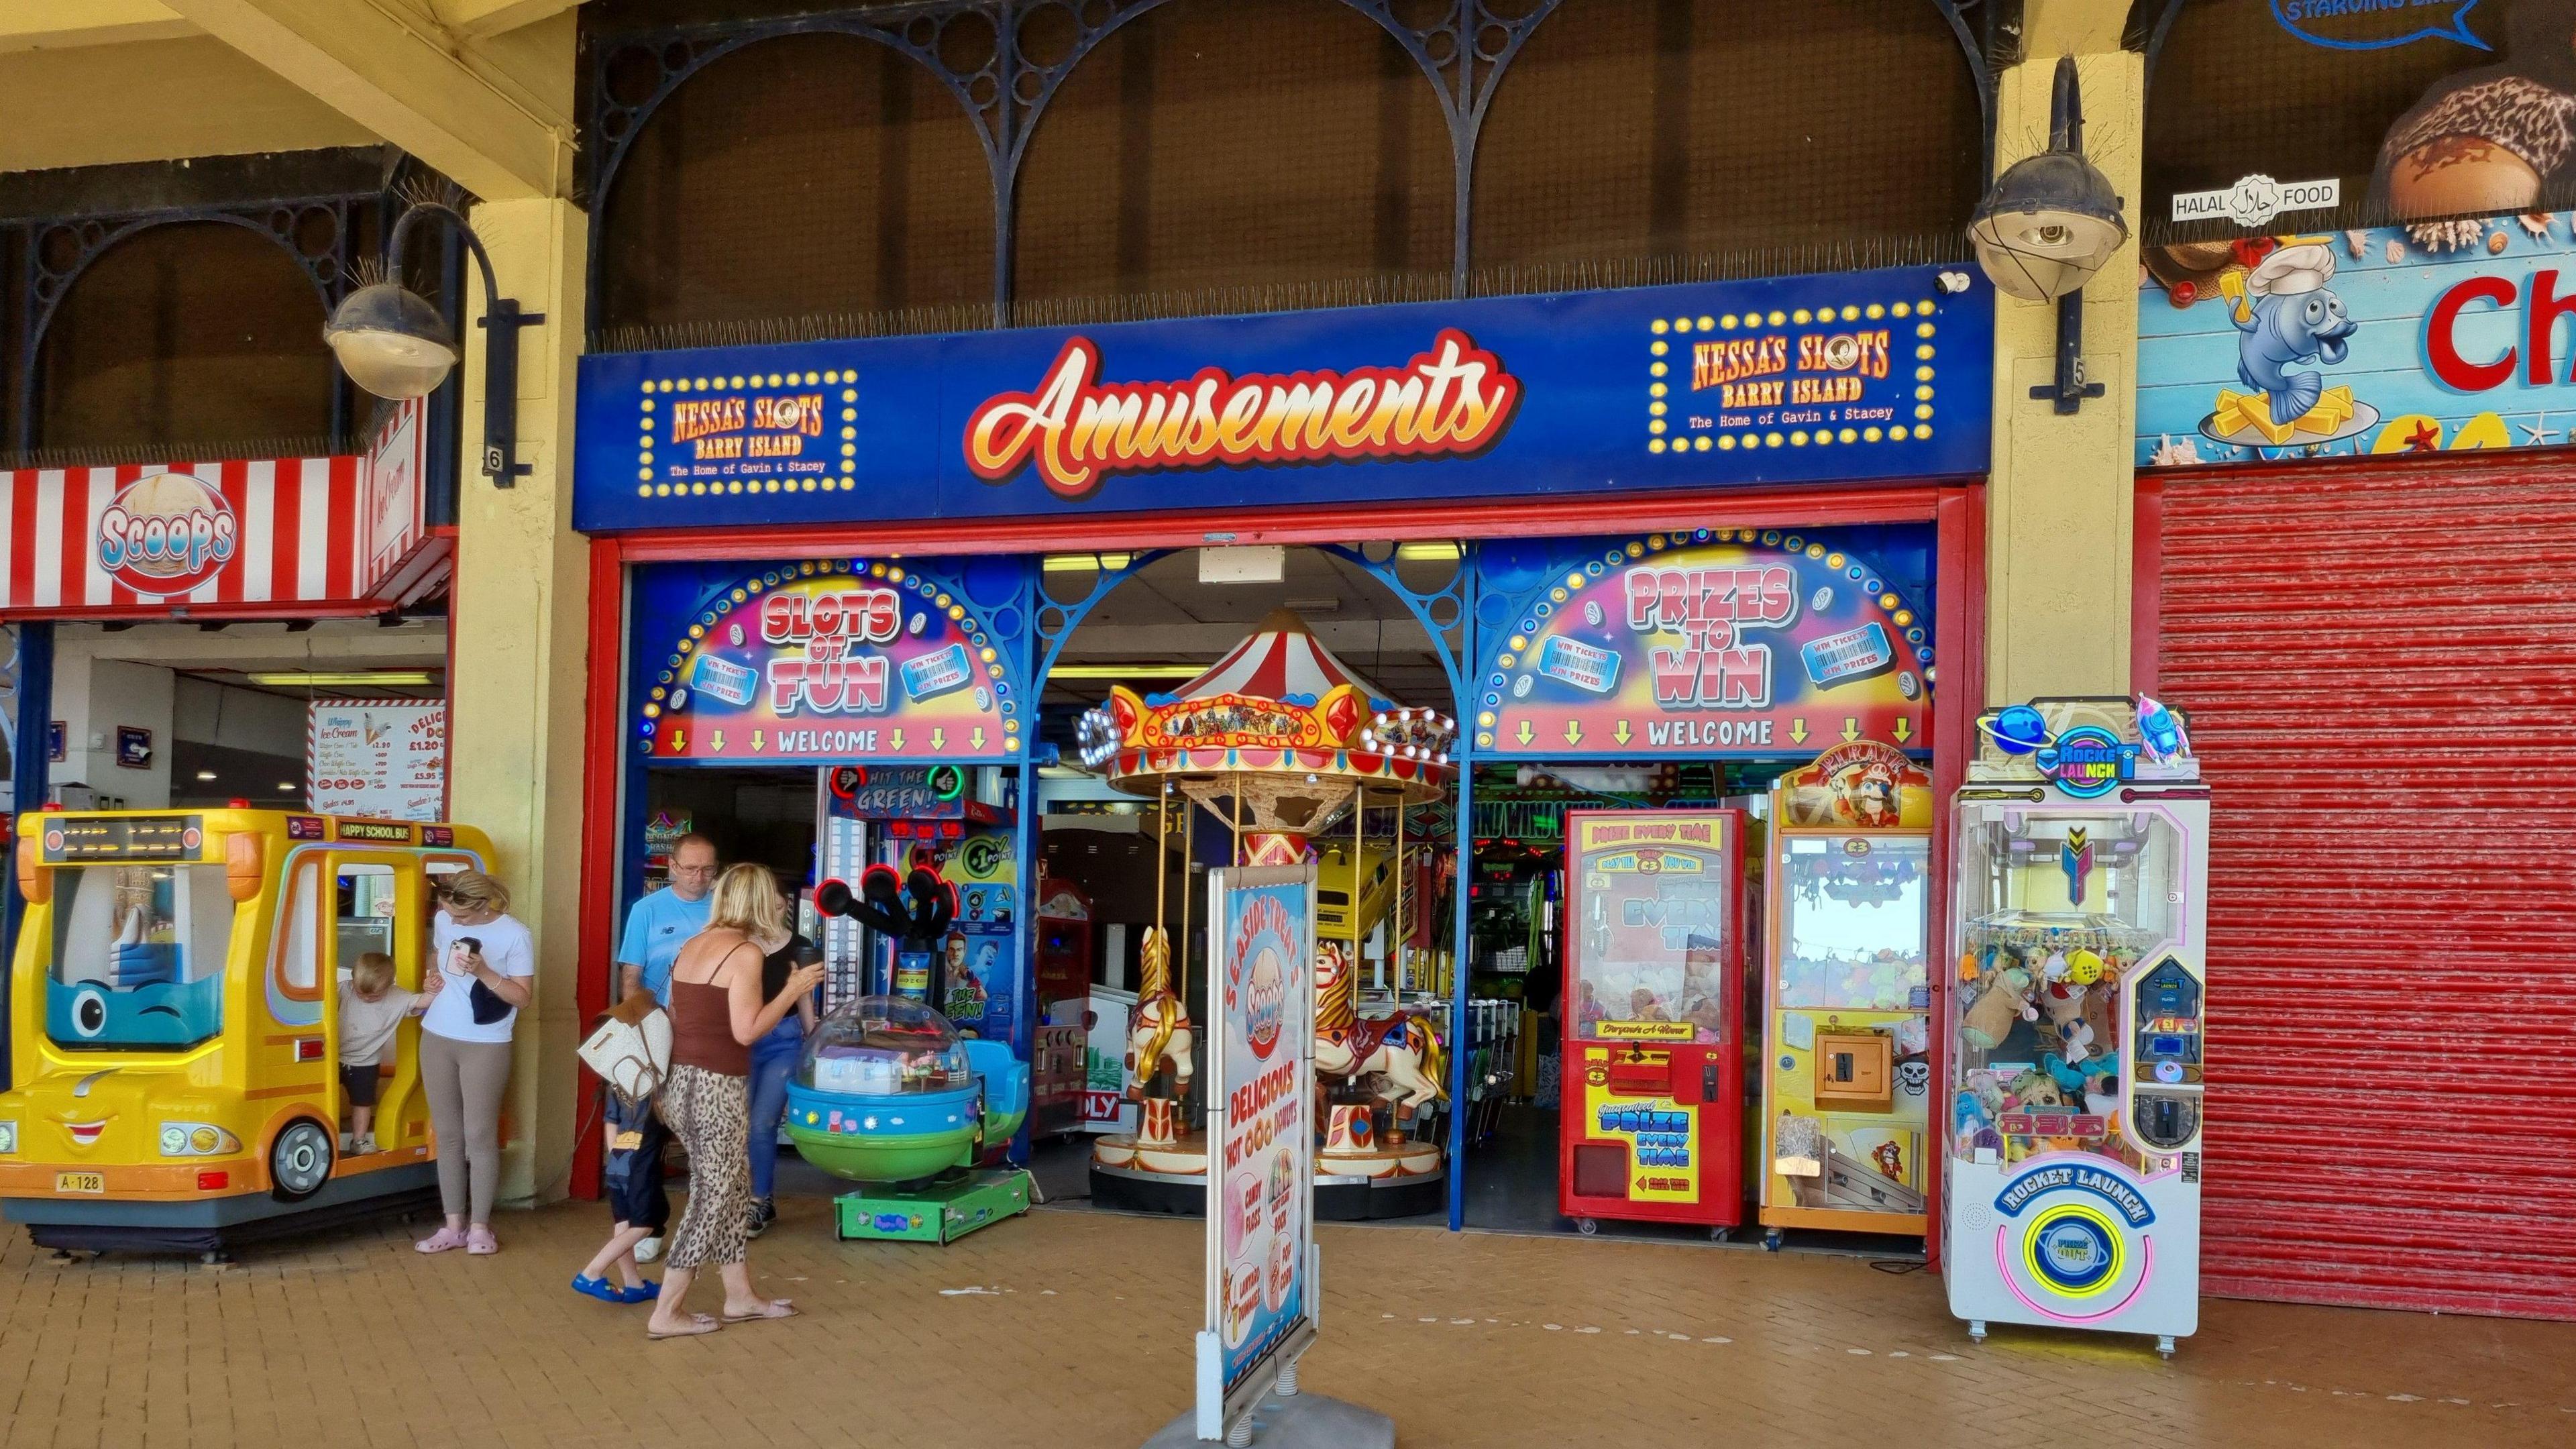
(637, 1202)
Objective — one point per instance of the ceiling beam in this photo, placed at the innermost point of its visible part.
(479, 18)
(387, 67)
(65, 24)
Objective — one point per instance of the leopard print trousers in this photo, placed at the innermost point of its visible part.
(711, 1112)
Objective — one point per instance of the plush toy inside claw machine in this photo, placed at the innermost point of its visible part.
(890, 1096)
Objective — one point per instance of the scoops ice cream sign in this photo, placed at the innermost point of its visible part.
(165, 534)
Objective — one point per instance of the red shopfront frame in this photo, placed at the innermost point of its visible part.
(1957, 511)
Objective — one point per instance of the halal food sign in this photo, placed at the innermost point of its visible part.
(165, 534)
(1453, 400)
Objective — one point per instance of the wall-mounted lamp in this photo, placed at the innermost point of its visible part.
(2047, 225)
(393, 343)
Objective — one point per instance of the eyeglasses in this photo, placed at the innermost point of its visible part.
(693, 870)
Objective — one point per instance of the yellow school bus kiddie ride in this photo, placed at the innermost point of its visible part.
(174, 1020)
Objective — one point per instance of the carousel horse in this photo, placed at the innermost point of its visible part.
(1161, 1032)
(1405, 1046)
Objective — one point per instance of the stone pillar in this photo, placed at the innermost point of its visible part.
(517, 682)
(2059, 503)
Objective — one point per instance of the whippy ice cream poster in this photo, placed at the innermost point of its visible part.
(1260, 1222)
(2433, 338)
(835, 658)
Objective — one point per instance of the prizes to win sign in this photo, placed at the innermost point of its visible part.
(834, 659)
(1702, 643)
(384, 758)
(1261, 1175)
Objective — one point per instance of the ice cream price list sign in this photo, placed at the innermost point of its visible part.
(1260, 1249)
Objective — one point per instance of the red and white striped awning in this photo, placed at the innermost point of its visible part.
(242, 539)
(1278, 659)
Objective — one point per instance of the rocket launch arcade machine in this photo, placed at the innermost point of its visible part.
(2072, 1192)
(1653, 1079)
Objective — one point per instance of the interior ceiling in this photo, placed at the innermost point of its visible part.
(230, 654)
(1163, 615)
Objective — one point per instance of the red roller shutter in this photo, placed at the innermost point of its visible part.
(2379, 662)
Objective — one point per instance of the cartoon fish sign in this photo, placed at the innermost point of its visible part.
(2295, 318)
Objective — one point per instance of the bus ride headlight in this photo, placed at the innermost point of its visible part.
(196, 1139)
(8, 1138)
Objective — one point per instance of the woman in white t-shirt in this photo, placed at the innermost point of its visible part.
(465, 1049)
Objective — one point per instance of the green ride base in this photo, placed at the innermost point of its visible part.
(941, 1212)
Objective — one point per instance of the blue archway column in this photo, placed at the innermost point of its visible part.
(30, 758)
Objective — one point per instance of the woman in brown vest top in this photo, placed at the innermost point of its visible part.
(716, 1014)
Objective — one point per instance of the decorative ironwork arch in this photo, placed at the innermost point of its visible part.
(61, 250)
(1004, 87)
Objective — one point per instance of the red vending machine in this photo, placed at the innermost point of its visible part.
(1653, 1124)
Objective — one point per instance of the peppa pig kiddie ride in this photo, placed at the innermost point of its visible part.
(889, 1096)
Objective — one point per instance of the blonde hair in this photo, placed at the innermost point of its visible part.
(746, 899)
(373, 972)
(475, 891)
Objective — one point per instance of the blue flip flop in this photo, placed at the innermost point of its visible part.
(644, 1292)
(597, 1288)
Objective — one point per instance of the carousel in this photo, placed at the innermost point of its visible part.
(1286, 745)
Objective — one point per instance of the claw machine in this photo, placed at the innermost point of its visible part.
(2072, 1192)
(1847, 1074)
(1653, 1080)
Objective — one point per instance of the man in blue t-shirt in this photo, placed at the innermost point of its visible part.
(659, 924)
(656, 927)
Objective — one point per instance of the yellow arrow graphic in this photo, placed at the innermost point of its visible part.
(1904, 729)
(759, 741)
(680, 741)
(1798, 730)
(1851, 728)
(898, 739)
(715, 740)
(1524, 735)
(1573, 733)
(938, 738)
(1621, 733)
(977, 738)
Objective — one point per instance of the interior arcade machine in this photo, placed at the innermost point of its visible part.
(2072, 1193)
(1064, 950)
(1847, 1076)
(1653, 1077)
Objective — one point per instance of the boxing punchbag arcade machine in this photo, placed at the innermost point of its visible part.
(1653, 1122)
(2072, 1193)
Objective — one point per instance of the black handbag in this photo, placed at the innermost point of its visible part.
(487, 1003)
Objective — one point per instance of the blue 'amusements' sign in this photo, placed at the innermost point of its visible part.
(1848, 377)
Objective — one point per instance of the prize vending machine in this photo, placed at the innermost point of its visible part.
(1847, 1074)
(1653, 1077)
(2072, 1192)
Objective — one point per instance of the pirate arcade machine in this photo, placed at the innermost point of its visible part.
(2072, 1193)
(1653, 1121)
(1847, 1074)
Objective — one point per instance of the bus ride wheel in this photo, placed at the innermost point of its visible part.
(299, 1160)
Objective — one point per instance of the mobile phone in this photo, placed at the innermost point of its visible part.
(458, 950)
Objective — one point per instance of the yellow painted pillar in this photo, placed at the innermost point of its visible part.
(519, 632)
(2059, 509)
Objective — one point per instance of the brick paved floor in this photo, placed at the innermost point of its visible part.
(1071, 1328)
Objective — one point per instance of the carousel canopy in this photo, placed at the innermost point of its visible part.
(1280, 659)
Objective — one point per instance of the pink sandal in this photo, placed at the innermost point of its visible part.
(480, 1241)
(440, 1241)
